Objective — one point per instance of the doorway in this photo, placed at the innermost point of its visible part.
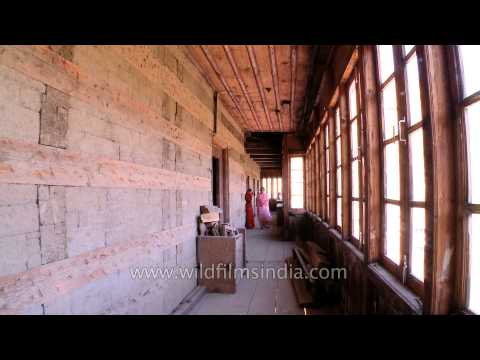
(220, 181)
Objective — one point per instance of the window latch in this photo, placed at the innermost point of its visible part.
(404, 269)
(401, 125)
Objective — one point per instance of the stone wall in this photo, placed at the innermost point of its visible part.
(105, 158)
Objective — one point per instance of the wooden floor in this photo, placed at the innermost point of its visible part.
(267, 296)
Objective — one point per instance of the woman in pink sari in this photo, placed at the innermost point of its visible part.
(262, 209)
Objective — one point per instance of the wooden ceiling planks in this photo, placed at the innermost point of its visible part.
(241, 82)
(284, 80)
(207, 66)
(262, 86)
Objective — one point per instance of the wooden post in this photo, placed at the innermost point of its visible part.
(318, 176)
(346, 173)
(323, 184)
(333, 163)
(226, 182)
(439, 254)
(374, 232)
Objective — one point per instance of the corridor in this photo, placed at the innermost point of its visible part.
(266, 296)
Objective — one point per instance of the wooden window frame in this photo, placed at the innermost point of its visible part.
(328, 171)
(289, 159)
(405, 203)
(360, 157)
(308, 182)
(337, 168)
(465, 208)
(323, 170)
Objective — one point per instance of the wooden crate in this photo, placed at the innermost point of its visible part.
(216, 251)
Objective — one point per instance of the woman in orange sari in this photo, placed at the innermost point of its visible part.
(250, 223)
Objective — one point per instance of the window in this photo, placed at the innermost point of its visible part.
(318, 184)
(215, 182)
(403, 162)
(273, 186)
(322, 175)
(469, 58)
(296, 176)
(307, 180)
(357, 150)
(315, 175)
(338, 167)
(328, 172)
(312, 178)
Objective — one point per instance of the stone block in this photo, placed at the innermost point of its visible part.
(17, 194)
(54, 118)
(54, 242)
(18, 219)
(19, 253)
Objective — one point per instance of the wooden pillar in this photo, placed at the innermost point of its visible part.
(323, 207)
(307, 181)
(285, 186)
(314, 177)
(373, 167)
(310, 183)
(440, 252)
(226, 183)
(333, 176)
(317, 175)
(346, 173)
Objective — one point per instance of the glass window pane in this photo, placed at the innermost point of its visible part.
(354, 137)
(275, 188)
(470, 58)
(407, 48)
(392, 171)
(328, 184)
(417, 165)
(296, 174)
(356, 219)
(339, 151)
(474, 271)
(297, 188)
(417, 221)
(264, 183)
(355, 179)
(327, 159)
(385, 54)
(337, 122)
(339, 181)
(296, 163)
(297, 202)
(339, 212)
(328, 206)
(352, 100)
(392, 232)
(413, 85)
(389, 108)
(326, 136)
(473, 151)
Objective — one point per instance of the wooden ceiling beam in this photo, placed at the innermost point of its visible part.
(258, 80)
(274, 72)
(240, 81)
(268, 162)
(263, 153)
(318, 68)
(266, 158)
(293, 64)
(224, 82)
